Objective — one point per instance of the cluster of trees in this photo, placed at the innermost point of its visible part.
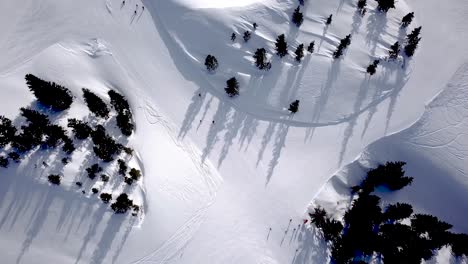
(93, 170)
(369, 230)
(123, 204)
(49, 94)
(344, 43)
(361, 7)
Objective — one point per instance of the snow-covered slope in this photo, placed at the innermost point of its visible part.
(267, 165)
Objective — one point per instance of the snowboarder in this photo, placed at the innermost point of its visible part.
(233, 37)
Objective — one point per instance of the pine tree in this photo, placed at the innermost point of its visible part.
(311, 46)
(211, 63)
(294, 106)
(247, 36)
(54, 134)
(281, 46)
(95, 104)
(51, 95)
(297, 17)
(412, 42)
(122, 167)
(385, 5)
(122, 204)
(361, 5)
(371, 69)
(135, 174)
(124, 113)
(54, 179)
(299, 52)
(406, 20)
(233, 37)
(105, 146)
(81, 129)
(261, 59)
(329, 20)
(106, 197)
(394, 51)
(344, 43)
(232, 88)
(7, 131)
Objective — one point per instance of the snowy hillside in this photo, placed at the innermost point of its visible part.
(228, 180)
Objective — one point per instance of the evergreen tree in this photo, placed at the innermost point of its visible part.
(394, 51)
(106, 197)
(371, 69)
(329, 20)
(122, 204)
(294, 106)
(255, 25)
(299, 52)
(54, 134)
(211, 63)
(281, 46)
(31, 134)
(261, 59)
(398, 211)
(81, 129)
(122, 167)
(7, 131)
(385, 5)
(124, 114)
(233, 37)
(232, 88)
(412, 42)
(68, 147)
(54, 179)
(105, 146)
(51, 95)
(93, 170)
(458, 243)
(344, 43)
(95, 104)
(361, 5)
(311, 47)
(247, 36)
(297, 17)
(406, 20)
(135, 174)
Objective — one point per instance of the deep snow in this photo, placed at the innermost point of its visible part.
(267, 165)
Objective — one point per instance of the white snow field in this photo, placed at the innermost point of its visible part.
(211, 191)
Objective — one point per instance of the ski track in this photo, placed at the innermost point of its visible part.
(186, 232)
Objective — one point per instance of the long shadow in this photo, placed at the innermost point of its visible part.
(205, 111)
(279, 144)
(232, 129)
(376, 26)
(312, 248)
(248, 131)
(107, 238)
(192, 111)
(265, 140)
(98, 215)
(357, 21)
(220, 119)
(361, 96)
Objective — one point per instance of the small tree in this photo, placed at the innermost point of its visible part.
(247, 36)
(294, 106)
(255, 25)
(135, 174)
(385, 5)
(54, 179)
(49, 94)
(412, 42)
(297, 17)
(232, 88)
(122, 167)
(93, 170)
(394, 51)
(281, 46)
(122, 204)
(344, 43)
(7, 131)
(406, 20)
(106, 197)
(311, 47)
(329, 20)
(95, 104)
(299, 52)
(211, 63)
(371, 69)
(233, 37)
(361, 5)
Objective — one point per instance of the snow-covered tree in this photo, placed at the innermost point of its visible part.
(7, 131)
(385, 5)
(371, 69)
(211, 63)
(361, 5)
(95, 104)
(311, 47)
(261, 59)
(394, 51)
(412, 42)
(329, 20)
(49, 94)
(406, 20)
(299, 52)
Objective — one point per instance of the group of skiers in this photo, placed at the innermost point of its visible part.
(136, 8)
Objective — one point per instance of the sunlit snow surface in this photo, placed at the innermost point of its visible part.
(219, 3)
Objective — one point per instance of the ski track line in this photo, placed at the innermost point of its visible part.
(179, 240)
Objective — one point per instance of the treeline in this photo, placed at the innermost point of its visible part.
(395, 234)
